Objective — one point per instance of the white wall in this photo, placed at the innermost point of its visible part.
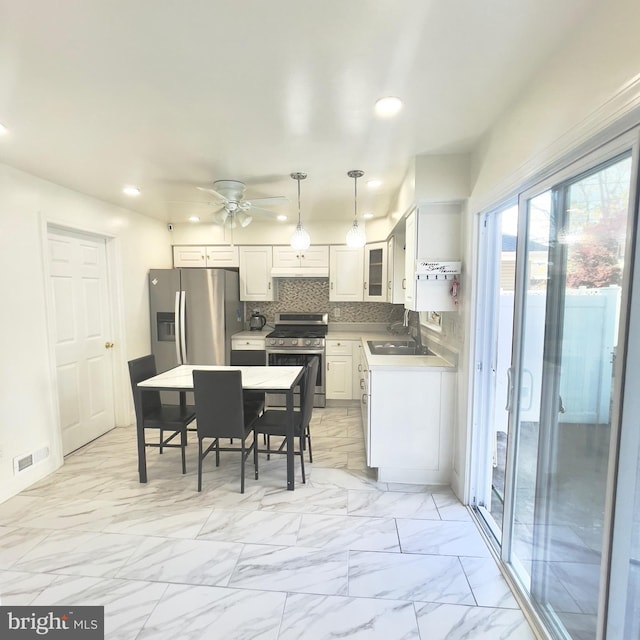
(592, 82)
(27, 391)
(259, 232)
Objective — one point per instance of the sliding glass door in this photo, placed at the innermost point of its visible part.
(552, 341)
(573, 239)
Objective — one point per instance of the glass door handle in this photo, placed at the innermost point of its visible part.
(507, 406)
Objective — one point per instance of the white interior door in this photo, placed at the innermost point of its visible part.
(83, 347)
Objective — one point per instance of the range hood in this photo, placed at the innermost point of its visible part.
(300, 272)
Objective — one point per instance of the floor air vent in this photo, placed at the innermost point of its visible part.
(24, 462)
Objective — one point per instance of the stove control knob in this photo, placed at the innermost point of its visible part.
(294, 342)
(307, 342)
(272, 340)
(280, 341)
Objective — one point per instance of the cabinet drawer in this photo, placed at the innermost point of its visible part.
(339, 347)
(247, 344)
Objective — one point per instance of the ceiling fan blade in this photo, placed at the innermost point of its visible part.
(212, 192)
(211, 203)
(269, 202)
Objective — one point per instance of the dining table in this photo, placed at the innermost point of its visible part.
(269, 379)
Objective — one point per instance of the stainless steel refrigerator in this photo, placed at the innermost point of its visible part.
(194, 312)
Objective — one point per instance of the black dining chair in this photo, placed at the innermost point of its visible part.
(253, 400)
(221, 413)
(273, 422)
(151, 413)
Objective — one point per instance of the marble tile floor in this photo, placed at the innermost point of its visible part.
(340, 557)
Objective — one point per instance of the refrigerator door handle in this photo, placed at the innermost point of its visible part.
(178, 328)
(183, 327)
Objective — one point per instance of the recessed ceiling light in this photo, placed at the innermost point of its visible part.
(374, 184)
(3, 130)
(282, 218)
(194, 219)
(130, 190)
(388, 106)
(367, 216)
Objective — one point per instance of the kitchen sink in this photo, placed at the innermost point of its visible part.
(397, 348)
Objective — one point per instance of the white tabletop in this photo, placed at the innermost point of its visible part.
(254, 377)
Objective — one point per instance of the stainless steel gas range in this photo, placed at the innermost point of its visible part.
(297, 338)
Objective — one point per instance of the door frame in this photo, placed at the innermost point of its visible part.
(484, 388)
(122, 402)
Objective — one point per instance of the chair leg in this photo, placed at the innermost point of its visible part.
(161, 440)
(255, 453)
(183, 446)
(242, 453)
(301, 440)
(199, 464)
(308, 438)
(217, 452)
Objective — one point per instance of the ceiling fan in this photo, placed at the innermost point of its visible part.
(233, 209)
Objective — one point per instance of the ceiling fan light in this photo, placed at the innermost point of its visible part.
(300, 240)
(244, 219)
(356, 236)
(221, 216)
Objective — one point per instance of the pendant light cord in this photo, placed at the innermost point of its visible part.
(355, 199)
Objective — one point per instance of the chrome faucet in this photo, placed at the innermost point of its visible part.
(397, 327)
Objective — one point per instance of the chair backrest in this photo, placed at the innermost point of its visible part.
(219, 406)
(142, 369)
(309, 390)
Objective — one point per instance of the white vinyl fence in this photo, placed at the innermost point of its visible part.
(589, 339)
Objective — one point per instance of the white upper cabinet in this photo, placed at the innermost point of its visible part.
(256, 283)
(396, 282)
(205, 256)
(432, 234)
(375, 272)
(189, 257)
(222, 256)
(312, 262)
(346, 271)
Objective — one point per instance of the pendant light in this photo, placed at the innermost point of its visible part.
(300, 239)
(356, 236)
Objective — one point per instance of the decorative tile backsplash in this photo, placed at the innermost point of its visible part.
(312, 294)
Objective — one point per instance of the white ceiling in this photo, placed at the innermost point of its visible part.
(173, 94)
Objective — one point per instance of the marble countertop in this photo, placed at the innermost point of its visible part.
(259, 335)
(254, 378)
(391, 362)
(375, 361)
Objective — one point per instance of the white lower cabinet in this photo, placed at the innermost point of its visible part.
(409, 417)
(365, 404)
(242, 343)
(339, 380)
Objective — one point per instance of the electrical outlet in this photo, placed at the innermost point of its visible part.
(336, 312)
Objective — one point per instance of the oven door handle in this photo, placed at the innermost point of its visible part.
(296, 352)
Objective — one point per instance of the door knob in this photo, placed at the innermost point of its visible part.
(108, 345)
